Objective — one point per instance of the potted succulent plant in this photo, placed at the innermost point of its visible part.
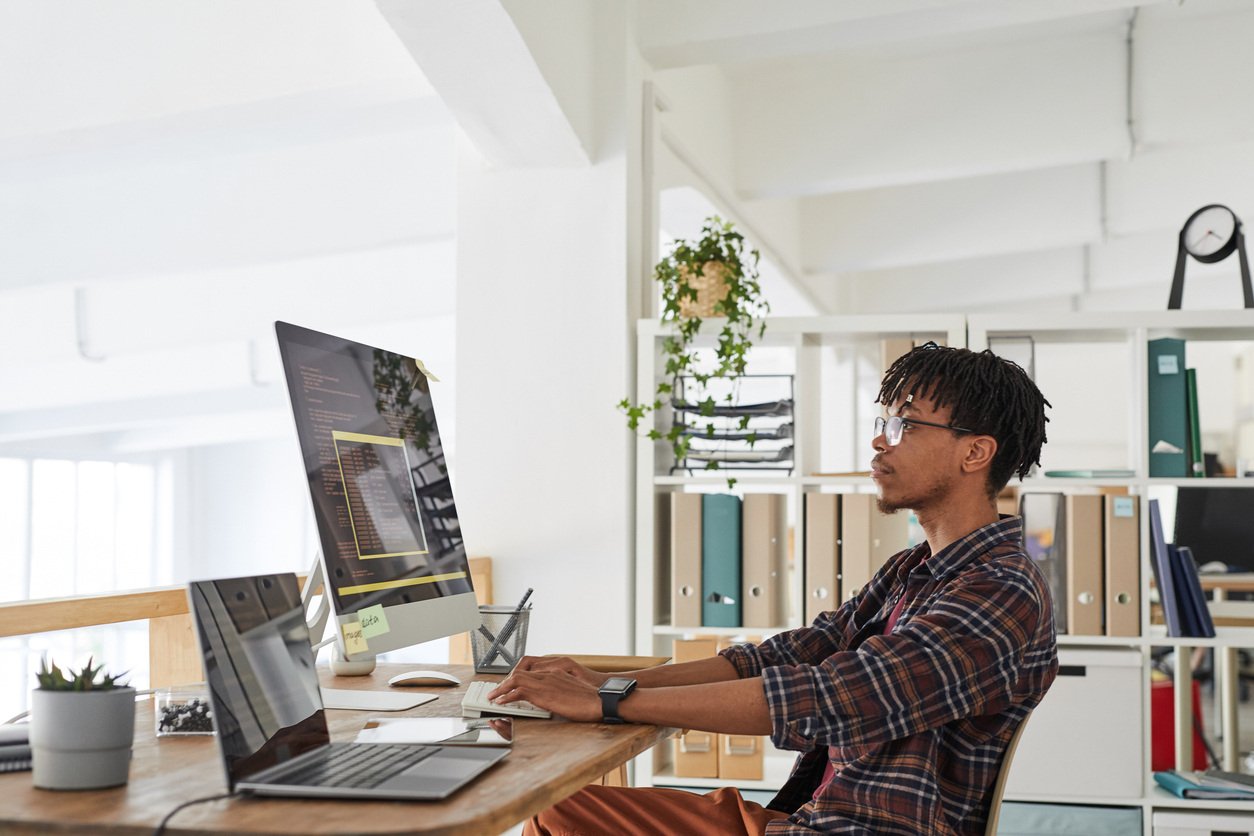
(714, 276)
(81, 728)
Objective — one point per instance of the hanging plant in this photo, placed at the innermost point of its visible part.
(714, 276)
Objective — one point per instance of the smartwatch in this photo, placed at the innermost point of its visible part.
(612, 691)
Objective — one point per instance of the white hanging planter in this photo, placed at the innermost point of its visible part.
(82, 739)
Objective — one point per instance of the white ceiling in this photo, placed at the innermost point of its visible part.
(175, 176)
(992, 154)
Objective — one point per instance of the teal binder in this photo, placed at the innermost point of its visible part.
(1168, 409)
(720, 560)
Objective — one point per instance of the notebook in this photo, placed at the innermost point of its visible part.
(271, 723)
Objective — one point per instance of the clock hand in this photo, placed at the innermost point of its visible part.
(1199, 241)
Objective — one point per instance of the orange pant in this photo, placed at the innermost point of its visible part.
(626, 811)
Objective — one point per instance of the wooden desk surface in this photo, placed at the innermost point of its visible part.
(550, 760)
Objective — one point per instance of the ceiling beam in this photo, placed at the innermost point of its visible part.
(477, 60)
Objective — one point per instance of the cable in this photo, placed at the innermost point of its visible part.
(161, 827)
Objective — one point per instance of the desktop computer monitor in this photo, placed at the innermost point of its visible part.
(381, 494)
(1216, 524)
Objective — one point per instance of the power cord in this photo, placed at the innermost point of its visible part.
(161, 827)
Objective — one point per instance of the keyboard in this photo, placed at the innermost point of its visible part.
(476, 704)
(356, 765)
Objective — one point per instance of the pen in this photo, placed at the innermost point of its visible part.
(506, 631)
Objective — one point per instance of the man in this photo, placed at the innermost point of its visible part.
(902, 700)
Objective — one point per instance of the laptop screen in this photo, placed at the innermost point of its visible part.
(260, 670)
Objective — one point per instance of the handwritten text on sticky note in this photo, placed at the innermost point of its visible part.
(373, 621)
(354, 640)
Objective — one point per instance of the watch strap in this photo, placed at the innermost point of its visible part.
(610, 700)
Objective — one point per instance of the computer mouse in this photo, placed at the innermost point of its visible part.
(423, 679)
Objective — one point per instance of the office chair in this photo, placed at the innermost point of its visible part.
(999, 786)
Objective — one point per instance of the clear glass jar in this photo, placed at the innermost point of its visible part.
(183, 711)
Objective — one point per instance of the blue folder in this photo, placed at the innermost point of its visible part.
(720, 561)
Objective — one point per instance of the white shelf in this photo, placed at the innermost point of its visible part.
(729, 632)
(1127, 335)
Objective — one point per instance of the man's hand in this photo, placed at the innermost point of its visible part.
(561, 664)
(560, 691)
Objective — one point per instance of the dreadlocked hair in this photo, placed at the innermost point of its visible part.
(987, 394)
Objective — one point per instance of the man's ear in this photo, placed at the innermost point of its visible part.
(980, 452)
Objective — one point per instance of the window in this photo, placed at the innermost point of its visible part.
(81, 528)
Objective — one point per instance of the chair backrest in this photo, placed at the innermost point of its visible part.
(999, 786)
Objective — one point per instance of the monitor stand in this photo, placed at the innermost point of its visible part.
(340, 666)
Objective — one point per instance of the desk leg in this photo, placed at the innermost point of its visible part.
(1228, 692)
(617, 778)
(1184, 709)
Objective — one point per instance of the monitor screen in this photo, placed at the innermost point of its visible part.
(1216, 524)
(381, 493)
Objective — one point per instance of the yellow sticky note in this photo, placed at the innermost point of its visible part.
(373, 621)
(354, 641)
(422, 368)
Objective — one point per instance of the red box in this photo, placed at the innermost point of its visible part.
(1162, 730)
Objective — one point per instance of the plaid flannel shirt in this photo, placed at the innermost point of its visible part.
(914, 722)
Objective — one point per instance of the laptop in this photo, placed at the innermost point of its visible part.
(267, 708)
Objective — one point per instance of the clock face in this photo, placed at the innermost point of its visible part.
(1209, 230)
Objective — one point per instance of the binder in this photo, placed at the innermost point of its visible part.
(1084, 565)
(1160, 561)
(1045, 542)
(868, 539)
(720, 560)
(1122, 540)
(696, 752)
(765, 546)
(1197, 461)
(822, 554)
(1168, 413)
(1194, 611)
(685, 556)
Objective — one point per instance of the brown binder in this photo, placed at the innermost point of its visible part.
(867, 539)
(764, 560)
(685, 555)
(1085, 597)
(822, 554)
(696, 752)
(1123, 566)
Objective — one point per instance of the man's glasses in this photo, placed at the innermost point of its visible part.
(894, 426)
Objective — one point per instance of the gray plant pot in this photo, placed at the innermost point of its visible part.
(82, 740)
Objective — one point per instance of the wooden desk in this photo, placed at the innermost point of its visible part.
(551, 759)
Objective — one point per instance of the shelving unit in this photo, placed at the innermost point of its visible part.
(1099, 420)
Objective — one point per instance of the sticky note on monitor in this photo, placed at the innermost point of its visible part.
(354, 639)
(373, 621)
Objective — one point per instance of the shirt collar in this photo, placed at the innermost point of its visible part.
(960, 552)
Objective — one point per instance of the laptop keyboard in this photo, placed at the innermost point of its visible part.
(362, 765)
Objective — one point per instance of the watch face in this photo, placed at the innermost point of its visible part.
(616, 683)
(1209, 231)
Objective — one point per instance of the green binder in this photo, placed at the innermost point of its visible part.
(1197, 461)
(720, 560)
(1168, 409)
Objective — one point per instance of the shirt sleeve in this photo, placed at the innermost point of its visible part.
(805, 645)
(958, 658)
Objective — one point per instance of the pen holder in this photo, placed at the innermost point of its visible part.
(500, 641)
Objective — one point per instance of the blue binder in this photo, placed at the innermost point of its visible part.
(720, 561)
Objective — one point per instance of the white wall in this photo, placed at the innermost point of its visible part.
(543, 481)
